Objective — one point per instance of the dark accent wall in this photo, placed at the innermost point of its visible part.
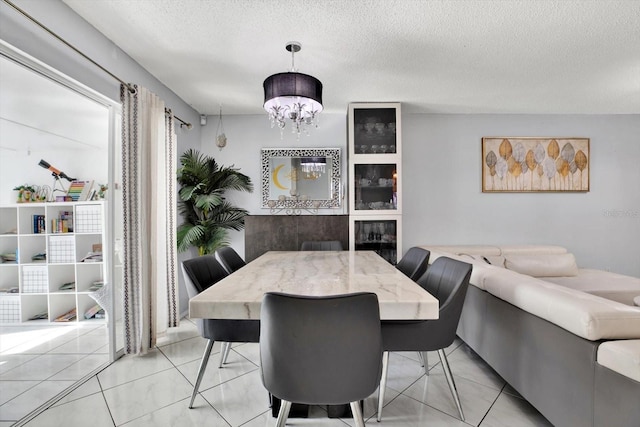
(265, 233)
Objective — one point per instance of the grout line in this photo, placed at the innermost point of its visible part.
(492, 403)
(106, 403)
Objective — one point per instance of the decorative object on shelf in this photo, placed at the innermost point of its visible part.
(293, 96)
(535, 164)
(102, 192)
(32, 193)
(299, 178)
(221, 138)
(57, 175)
(206, 212)
(26, 193)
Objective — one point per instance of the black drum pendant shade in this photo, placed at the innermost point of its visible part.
(293, 96)
(292, 85)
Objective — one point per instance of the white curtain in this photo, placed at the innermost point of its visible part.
(149, 243)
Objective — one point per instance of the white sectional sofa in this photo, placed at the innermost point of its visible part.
(567, 339)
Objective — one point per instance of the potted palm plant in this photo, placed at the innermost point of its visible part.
(207, 214)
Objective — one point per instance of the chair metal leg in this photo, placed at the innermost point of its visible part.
(452, 383)
(224, 353)
(283, 414)
(203, 367)
(425, 361)
(357, 413)
(383, 383)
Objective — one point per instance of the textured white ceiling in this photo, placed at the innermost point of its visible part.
(508, 56)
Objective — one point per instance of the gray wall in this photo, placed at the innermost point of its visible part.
(443, 201)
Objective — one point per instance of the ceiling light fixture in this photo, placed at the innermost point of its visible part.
(293, 96)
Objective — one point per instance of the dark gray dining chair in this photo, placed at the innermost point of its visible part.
(320, 350)
(446, 279)
(321, 245)
(231, 261)
(199, 274)
(414, 263)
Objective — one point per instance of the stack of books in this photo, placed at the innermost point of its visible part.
(67, 317)
(94, 312)
(38, 224)
(63, 224)
(92, 257)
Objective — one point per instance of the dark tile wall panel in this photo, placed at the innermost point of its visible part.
(265, 233)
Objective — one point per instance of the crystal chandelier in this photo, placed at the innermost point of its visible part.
(313, 167)
(293, 96)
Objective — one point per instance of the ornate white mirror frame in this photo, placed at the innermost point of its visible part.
(295, 179)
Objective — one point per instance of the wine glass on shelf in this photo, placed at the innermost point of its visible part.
(367, 232)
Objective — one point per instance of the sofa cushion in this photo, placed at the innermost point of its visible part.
(543, 265)
(621, 356)
(585, 315)
(605, 284)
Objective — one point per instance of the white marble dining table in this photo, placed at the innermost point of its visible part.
(317, 273)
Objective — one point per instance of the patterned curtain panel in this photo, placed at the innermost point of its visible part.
(149, 244)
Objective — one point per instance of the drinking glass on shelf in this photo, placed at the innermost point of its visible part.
(374, 148)
(369, 126)
(367, 232)
(392, 127)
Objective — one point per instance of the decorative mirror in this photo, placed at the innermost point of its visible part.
(296, 179)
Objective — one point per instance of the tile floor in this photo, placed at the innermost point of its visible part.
(153, 390)
(37, 362)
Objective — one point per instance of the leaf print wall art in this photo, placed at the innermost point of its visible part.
(535, 164)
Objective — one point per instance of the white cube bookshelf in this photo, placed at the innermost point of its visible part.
(29, 230)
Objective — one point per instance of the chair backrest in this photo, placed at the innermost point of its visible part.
(414, 263)
(201, 272)
(320, 350)
(321, 245)
(448, 280)
(230, 259)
